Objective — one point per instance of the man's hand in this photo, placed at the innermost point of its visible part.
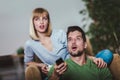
(58, 71)
(44, 68)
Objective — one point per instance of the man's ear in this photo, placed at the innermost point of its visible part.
(85, 45)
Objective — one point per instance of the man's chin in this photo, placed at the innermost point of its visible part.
(73, 54)
(76, 54)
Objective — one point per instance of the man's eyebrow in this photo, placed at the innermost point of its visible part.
(69, 37)
(79, 36)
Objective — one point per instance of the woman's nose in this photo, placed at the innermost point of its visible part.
(41, 21)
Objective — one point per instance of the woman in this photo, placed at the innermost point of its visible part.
(47, 44)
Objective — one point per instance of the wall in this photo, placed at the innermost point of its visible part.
(15, 16)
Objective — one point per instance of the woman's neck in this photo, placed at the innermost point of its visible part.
(46, 42)
(42, 36)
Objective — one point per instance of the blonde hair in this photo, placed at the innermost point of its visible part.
(89, 47)
(37, 13)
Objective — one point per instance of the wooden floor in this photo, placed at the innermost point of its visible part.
(11, 68)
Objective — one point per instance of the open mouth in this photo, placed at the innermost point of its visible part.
(42, 27)
(74, 48)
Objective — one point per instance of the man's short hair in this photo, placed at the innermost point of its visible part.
(76, 28)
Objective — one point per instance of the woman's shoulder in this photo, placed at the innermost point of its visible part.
(29, 42)
(59, 36)
(58, 32)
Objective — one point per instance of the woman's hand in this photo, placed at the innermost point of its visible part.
(44, 68)
(99, 62)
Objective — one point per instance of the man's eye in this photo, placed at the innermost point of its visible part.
(78, 38)
(69, 40)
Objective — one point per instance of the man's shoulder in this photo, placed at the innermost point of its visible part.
(90, 63)
(68, 60)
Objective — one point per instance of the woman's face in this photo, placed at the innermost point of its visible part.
(41, 23)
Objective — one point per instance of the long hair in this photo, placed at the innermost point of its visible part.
(89, 49)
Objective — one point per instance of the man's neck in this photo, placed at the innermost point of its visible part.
(81, 60)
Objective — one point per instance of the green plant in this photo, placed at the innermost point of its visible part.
(20, 50)
(105, 29)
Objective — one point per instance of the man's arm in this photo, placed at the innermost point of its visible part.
(54, 76)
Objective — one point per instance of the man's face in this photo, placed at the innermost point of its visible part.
(76, 45)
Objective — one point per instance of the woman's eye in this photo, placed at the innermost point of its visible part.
(36, 19)
(45, 18)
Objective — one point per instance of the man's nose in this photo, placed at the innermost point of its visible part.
(74, 41)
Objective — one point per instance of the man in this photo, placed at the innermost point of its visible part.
(79, 66)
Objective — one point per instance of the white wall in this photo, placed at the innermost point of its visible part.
(15, 16)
